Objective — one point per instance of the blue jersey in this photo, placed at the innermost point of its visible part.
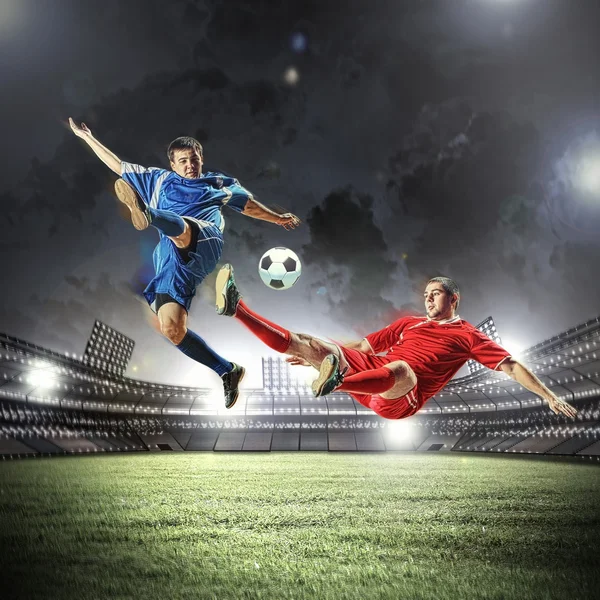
(201, 198)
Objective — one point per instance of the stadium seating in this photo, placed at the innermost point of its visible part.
(54, 404)
(27, 430)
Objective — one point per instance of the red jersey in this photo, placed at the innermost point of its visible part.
(436, 351)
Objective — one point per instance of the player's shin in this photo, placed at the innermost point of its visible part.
(270, 333)
(196, 348)
(167, 222)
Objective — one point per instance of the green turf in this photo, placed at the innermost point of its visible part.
(299, 525)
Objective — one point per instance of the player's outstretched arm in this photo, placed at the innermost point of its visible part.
(521, 374)
(111, 160)
(256, 210)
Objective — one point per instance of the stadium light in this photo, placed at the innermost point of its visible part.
(291, 76)
(579, 167)
(588, 173)
(41, 378)
(401, 429)
(108, 350)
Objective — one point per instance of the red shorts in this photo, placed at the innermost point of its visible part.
(398, 408)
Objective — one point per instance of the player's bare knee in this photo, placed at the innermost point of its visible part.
(173, 331)
(405, 380)
(399, 368)
(402, 371)
(184, 239)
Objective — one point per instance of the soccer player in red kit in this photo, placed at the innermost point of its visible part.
(423, 353)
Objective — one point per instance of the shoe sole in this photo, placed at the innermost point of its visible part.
(326, 370)
(129, 197)
(221, 287)
(237, 393)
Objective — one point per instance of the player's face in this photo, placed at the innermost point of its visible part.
(438, 302)
(187, 163)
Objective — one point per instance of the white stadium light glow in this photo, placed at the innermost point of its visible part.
(401, 429)
(588, 174)
(513, 346)
(12, 17)
(291, 76)
(579, 167)
(41, 378)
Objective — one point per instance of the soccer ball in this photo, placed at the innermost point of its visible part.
(279, 268)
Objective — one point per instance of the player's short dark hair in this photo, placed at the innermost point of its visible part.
(449, 285)
(184, 143)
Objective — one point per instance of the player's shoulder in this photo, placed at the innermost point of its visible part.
(219, 173)
(217, 179)
(128, 167)
(407, 321)
(471, 331)
(469, 327)
(166, 177)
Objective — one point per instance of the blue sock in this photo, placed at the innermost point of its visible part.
(195, 347)
(168, 222)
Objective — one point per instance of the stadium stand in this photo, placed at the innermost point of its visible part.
(285, 441)
(56, 404)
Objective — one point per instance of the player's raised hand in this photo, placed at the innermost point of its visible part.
(82, 131)
(288, 221)
(561, 407)
(296, 360)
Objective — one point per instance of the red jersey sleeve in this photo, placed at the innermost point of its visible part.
(485, 351)
(385, 338)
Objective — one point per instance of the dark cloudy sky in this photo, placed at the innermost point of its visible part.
(420, 138)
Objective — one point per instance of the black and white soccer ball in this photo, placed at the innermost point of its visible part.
(279, 268)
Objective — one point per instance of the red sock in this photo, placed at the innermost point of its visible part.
(272, 335)
(364, 399)
(375, 381)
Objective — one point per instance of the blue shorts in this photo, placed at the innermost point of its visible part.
(177, 278)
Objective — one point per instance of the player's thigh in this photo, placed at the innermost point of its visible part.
(358, 361)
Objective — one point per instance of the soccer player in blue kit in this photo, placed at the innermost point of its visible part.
(185, 205)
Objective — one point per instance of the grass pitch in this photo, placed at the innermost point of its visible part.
(298, 525)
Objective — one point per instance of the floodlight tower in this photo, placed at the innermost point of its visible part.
(488, 327)
(108, 350)
(277, 375)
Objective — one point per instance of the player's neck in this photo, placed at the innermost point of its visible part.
(447, 319)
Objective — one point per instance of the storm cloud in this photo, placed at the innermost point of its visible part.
(416, 139)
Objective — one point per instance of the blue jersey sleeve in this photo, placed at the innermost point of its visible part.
(237, 195)
(143, 179)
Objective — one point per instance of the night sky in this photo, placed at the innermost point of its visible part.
(414, 139)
